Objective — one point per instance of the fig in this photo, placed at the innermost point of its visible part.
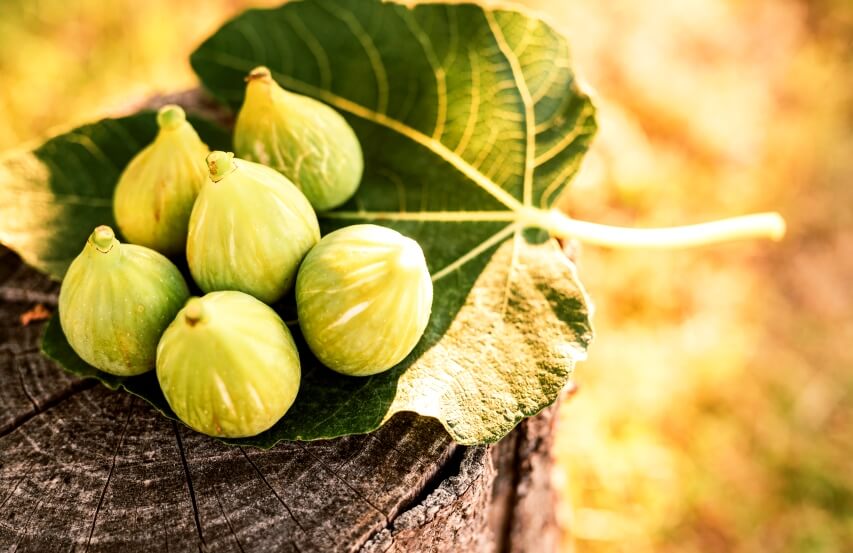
(249, 229)
(115, 302)
(363, 297)
(304, 139)
(228, 365)
(156, 191)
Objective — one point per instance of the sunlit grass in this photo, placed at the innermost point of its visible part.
(66, 62)
(714, 412)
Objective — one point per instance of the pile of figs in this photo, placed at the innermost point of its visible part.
(247, 224)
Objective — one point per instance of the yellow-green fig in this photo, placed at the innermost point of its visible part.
(115, 302)
(249, 229)
(306, 140)
(228, 365)
(364, 297)
(156, 191)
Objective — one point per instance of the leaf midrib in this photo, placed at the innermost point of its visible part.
(514, 206)
(416, 136)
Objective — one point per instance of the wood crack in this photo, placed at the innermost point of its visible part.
(353, 456)
(24, 385)
(110, 474)
(52, 401)
(449, 468)
(275, 493)
(27, 523)
(337, 477)
(18, 483)
(189, 480)
(227, 520)
(385, 444)
(504, 536)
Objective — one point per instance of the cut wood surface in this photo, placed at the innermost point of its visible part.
(83, 468)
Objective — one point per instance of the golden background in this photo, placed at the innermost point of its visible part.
(714, 413)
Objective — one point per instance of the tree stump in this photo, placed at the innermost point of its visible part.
(84, 468)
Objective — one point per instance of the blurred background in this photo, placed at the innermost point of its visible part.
(716, 410)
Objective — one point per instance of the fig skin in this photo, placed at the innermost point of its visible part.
(304, 139)
(364, 297)
(249, 229)
(228, 365)
(156, 191)
(115, 302)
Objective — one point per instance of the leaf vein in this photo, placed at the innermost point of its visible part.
(471, 121)
(373, 55)
(475, 252)
(425, 216)
(527, 102)
(566, 140)
(317, 50)
(437, 70)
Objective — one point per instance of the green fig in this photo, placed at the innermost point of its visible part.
(115, 302)
(249, 229)
(156, 191)
(306, 140)
(363, 296)
(228, 365)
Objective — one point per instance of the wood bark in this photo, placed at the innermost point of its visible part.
(86, 469)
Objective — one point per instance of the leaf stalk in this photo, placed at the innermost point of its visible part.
(759, 225)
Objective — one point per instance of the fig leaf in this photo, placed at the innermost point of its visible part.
(470, 120)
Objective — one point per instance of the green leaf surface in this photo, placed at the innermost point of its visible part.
(52, 197)
(469, 119)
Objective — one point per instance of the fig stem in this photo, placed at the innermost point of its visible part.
(170, 117)
(758, 225)
(220, 164)
(194, 311)
(259, 73)
(102, 238)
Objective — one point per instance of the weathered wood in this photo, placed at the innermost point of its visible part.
(83, 468)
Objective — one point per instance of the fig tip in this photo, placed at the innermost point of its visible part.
(103, 237)
(219, 164)
(194, 311)
(260, 72)
(170, 116)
